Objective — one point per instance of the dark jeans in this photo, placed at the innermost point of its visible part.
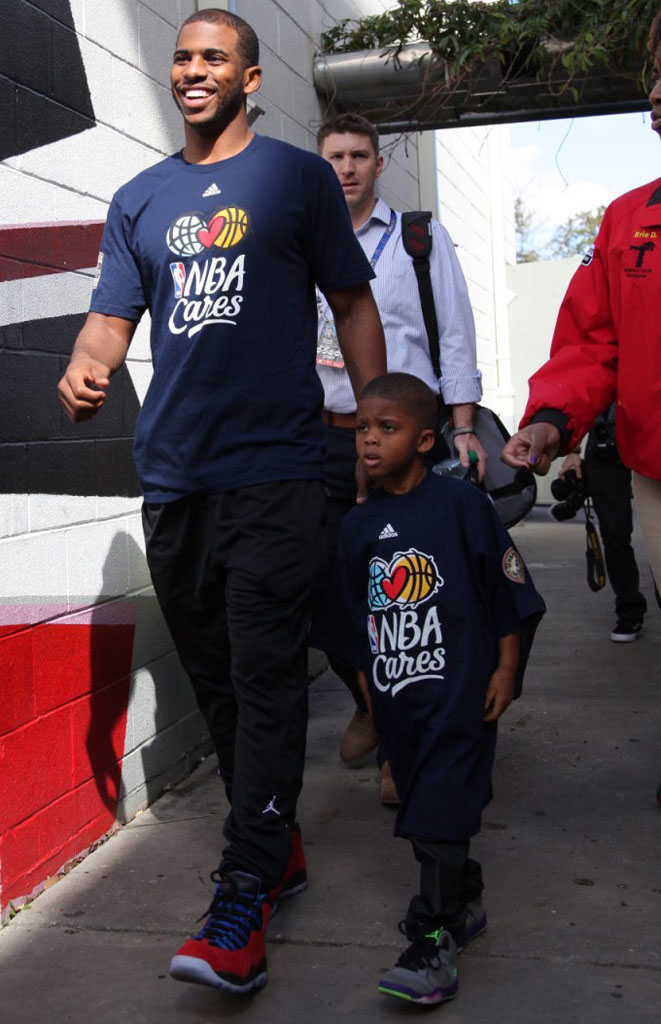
(609, 486)
(449, 879)
(233, 573)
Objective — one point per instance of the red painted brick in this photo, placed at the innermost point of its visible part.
(72, 660)
(9, 629)
(26, 251)
(35, 767)
(22, 886)
(62, 664)
(19, 854)
(16, 690)
(99, 732)
(62, 822)
(32, 851)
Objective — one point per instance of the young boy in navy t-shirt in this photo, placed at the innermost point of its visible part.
(436, 594)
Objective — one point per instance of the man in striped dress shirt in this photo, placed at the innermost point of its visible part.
(351, 145)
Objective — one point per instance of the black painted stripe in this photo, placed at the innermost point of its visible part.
(41, 452)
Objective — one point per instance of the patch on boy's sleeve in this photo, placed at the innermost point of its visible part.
(514, 566)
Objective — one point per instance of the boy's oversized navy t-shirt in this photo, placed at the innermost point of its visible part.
(430, 581)
(225, 257)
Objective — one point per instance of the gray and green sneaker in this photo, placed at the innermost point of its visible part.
(426, 972)
(476, 923)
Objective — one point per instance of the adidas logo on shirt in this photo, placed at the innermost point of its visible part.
(213, 190)
(388, 532)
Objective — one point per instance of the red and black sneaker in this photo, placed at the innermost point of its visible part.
(295, 878)
(228, 953)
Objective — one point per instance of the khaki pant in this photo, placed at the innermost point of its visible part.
(648, 503)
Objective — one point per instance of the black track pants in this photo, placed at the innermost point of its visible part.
(233, 573)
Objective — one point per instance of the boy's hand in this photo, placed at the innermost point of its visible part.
(499, 695)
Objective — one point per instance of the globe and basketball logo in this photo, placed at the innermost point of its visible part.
(408, 579)
(191, 234)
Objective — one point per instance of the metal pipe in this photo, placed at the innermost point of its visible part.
(388, 84)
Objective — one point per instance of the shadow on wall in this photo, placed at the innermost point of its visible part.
(144, 731)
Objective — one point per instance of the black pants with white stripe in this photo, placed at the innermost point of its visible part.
(233, 574)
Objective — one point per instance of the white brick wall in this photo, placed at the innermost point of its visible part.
(475, 206)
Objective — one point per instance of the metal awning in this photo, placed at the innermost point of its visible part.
(412, 91)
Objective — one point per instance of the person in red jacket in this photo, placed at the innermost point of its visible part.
(607, 347)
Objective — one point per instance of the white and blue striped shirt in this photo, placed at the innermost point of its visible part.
(397, 297)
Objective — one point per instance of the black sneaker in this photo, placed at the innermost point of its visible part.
(426, 973)
(626, 631)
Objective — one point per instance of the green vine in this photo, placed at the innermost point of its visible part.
(531, 36)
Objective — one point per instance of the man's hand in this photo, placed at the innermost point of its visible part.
(463, 415)
(533, 448)
(100, 349)
(573, 461)
(82, 388)
(470, 442)
(499, 695)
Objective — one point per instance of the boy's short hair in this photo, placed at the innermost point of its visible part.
(344, 124)
(248, 44)
(412, 394)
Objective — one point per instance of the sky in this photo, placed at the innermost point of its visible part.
(562, 167)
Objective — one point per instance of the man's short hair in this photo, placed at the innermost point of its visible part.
(654, 41)
(343, 124)
(410, 393)
(248, 44)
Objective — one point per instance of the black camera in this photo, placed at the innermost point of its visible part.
(601, 444)
(570, 493)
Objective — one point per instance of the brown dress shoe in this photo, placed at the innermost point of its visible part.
(359, 740)
(387, 787)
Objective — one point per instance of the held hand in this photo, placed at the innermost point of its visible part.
(499, 695)
(573, 461)
(464, 443)
(533, 448)
(82, 388)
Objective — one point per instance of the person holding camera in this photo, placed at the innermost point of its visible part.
(606, 347)
(603, 477)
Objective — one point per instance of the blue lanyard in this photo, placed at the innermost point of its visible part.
(384, 239)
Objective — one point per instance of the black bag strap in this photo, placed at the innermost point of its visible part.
(417, 242)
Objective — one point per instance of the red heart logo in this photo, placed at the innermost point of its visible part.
(393, 587)
(207, 236)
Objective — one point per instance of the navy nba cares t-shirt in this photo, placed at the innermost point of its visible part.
(225, 257)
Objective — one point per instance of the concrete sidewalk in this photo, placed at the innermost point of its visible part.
(570, 849)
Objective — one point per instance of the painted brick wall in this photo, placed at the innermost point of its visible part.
(95, 714)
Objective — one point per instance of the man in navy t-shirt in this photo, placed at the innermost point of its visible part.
(223, 244)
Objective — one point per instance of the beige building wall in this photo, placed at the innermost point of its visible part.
(537, 289)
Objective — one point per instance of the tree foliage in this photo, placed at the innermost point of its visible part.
(572, 238)
(526, 35)
(576, 235)
(523, 228)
